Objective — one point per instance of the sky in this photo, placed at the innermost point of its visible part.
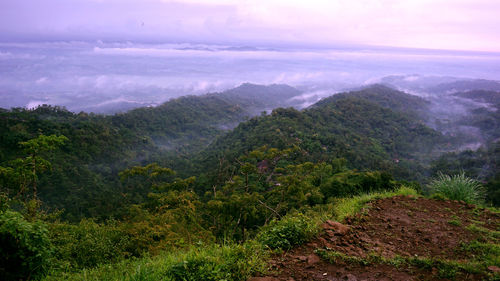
(433, 24)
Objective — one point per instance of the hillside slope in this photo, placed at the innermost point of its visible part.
(386, 97)
(399, 238)
(368, 135)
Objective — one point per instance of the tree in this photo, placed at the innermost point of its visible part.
(22, 174)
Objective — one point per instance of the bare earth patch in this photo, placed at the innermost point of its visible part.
(393, 229)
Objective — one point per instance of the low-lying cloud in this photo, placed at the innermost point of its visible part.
(93, 75)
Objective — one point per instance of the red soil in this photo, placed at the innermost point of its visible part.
(400, 226)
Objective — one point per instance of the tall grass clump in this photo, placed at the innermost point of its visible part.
(458, 187)
(293, 229)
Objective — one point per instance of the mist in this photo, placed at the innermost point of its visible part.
(108, 77)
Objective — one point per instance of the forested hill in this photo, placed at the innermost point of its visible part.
(386, 97)
(367, 135)
(257, 98)
(191, 121)
(197, 119)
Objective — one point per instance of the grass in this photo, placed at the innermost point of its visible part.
(445, 268)
(345, 207)
(226, 262)
(457, 187)
(488, 253)
(455, 221)
(493, 235)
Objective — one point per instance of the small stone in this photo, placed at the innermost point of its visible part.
(325, 274)
(329, 233)
(351, 277)
(336, 227)
(494, 269)
(263, 279)
(312, 259)
(302, 258)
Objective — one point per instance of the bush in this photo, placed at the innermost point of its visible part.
(25, 248)
(351, 183)
(88, 244)
(228, 262)
(458, 187)
(290, 231)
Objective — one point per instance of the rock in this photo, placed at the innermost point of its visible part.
(312, 259)
(494, 269)
(330, 233)
(351, 277)
(336, 227)
(263, 279)
(302, 258)
(313, 244)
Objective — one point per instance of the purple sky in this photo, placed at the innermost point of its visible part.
(438, 24)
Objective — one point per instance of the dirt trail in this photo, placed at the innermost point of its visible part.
(399, 227)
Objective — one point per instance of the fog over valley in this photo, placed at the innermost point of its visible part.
(111, 77)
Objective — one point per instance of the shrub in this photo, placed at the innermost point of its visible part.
(25, 248)
(290, 231)
(227, 262)
(88, 243)
(351, 183)
(458, 187)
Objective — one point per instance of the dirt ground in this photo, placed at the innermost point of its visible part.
(401, 226)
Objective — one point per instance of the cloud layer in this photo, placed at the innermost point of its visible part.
(441, 24)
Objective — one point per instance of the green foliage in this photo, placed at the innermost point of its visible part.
(22, 175)
(227, 262)
(487, 253)
(481, 164)
(24, 246)
(231, 262)
(458, 187)
(350, 183)
(89, 244)
(455, 222)
(292, 230)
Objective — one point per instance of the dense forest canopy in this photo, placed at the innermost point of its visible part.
(210, 168)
